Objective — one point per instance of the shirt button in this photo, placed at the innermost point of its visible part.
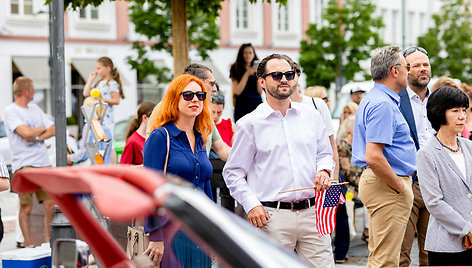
(198, 164)
(196, 177)
(469, 195)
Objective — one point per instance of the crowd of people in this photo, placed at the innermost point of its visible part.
(403, 149)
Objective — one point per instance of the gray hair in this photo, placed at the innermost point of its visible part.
(198, 70)
(382, 60)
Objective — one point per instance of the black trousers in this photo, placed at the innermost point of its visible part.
(450, 258)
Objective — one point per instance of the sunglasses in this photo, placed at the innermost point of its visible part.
(188, 95)
(277, 76)
(410, 50)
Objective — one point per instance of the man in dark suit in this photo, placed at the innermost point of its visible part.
(413, 102)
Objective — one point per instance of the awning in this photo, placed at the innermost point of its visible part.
(35, 68)
(85, 66)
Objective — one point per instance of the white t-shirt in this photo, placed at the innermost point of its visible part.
(23, 152)
(324, 111)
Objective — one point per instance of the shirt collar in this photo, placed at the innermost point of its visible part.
(388, 91)
(267, 110)
(174, 131)
(411, 93)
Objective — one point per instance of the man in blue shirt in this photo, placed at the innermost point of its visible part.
(382, 144)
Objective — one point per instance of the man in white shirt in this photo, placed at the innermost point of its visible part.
(282, 145)
(413, 102)
(27, 127)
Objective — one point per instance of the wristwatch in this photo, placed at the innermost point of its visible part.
(37, 138)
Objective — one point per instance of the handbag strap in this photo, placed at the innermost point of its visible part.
(168, 148)
(133, 223)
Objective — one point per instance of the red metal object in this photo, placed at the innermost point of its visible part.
(128, 194)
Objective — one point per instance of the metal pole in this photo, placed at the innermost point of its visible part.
(51, 67)
(404, 24)
(59, 81)
(60, 226)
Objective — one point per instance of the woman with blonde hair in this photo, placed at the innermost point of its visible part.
(318, 92)
(349, 109)
(183, 117)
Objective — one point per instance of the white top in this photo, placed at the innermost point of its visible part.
(460, 162)
(278, 153)
(324, 111)
(3, 168)
(105, 92)
(423, 126)
(23, 152)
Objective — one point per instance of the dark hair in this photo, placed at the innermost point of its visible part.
(261, 69)
(442, 99)
(218, 98)
(198, 70)
(144, 108)
(115, 75)
(238, 68)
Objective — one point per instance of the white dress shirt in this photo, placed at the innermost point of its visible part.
(423, 127)
(278, 153)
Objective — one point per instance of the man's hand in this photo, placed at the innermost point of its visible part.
(258, 216)
(322, 181)
(155, 251)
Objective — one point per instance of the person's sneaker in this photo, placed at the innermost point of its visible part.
(20, 245)
(340, 260)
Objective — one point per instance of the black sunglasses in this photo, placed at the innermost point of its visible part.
(410, 50)
(188, 95)
(277, 76)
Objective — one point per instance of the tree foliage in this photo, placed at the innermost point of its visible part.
(154, 22)
(449, 41)
(337, 46)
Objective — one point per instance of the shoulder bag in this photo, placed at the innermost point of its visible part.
(138, 240)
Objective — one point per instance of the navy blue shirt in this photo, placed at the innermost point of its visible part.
(195, 168)
(379, 120)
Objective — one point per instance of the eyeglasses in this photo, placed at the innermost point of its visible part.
(277, 76)
(410, 50)
(325, 98)
(188, 95)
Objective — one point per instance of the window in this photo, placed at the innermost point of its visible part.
(89, 13)
(242, 15)
(394, 26)
(21, 7)
(283, 21)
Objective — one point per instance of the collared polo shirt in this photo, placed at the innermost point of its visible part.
(379, 120)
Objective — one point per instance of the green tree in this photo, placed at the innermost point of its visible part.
(154, 22)
(449, 41)
(335, 49)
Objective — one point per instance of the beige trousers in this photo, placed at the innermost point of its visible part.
(388, 216)
(296, 230)
(418, 223)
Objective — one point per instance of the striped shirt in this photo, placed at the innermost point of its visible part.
(3, 168)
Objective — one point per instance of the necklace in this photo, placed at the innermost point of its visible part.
(449, 148)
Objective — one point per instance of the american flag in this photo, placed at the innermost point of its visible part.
(326, 206)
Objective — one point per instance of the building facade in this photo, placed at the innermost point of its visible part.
(94, 32)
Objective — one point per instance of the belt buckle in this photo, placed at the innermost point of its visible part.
(291, 206)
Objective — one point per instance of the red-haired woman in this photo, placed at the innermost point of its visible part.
(184, 113)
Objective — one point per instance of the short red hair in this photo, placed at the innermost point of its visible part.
(168, 108)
